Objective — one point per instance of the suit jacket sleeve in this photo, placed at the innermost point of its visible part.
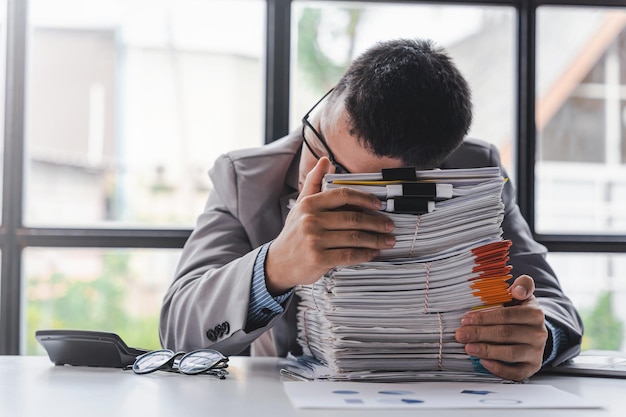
(527, 255)
(211, 289)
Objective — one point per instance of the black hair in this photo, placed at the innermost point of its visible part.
(406, 99)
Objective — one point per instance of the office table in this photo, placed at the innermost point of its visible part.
(33, 386)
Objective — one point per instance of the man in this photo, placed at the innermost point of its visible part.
(401, 103)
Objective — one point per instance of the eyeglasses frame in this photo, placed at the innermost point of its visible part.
(172, 364)
(339, 169)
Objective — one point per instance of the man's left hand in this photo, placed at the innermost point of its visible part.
(509, 341)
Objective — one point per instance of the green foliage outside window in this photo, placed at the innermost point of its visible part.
(321, 70)
(603, 329)
(57, 302)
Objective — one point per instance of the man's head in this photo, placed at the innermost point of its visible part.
(405, 98)
(401, 101)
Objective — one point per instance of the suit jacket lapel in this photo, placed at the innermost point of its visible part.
(291, 183)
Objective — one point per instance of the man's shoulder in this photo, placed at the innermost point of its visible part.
(286, 146)
(264, 167)
(472, 153)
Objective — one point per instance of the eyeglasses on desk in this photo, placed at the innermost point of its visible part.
(199, 361)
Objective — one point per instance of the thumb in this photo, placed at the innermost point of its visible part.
(313, 182)
(522, 288)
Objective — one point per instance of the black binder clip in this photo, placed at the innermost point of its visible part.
(408, 205)
(399, 174)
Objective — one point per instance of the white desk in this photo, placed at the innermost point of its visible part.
(32, 386)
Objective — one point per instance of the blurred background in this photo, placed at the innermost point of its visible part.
(118, 109)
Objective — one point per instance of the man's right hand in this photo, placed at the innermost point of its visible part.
(323, 230)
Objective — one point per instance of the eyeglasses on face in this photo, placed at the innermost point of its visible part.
(198, 361)
(339, 169)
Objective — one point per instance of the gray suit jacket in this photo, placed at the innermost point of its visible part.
(247, 208)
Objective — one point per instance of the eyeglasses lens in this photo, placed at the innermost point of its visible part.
(199, 361)
(152, 361)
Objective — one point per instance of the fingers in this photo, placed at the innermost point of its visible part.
(510, 352)
(313, 182)
(509, 341)
(522, 288)
(334, 198)
(345, 238)
(514, 372)
(503, 334)
(347, 256)
(339, 197)
(526, 314)
(323, 230)
(359, 239)
(350, 220)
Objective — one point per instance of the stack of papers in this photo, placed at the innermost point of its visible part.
(394, 319)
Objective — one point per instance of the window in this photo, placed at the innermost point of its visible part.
(125, 105)
(580, 166)
(3, 43)
(595, 284)
(480, 39)
(581, 94)
(129, 102)
(117, 290)
(115, 110)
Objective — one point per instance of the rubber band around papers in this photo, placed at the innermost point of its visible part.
(417, 225)
(427, 266)
(440, 357)
(306, 328)
(317, 307)
(304, 315)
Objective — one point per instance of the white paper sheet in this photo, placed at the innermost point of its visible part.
(437, 395)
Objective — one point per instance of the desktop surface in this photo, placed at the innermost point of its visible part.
(33, 386)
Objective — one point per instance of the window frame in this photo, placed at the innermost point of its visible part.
(14, 236)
